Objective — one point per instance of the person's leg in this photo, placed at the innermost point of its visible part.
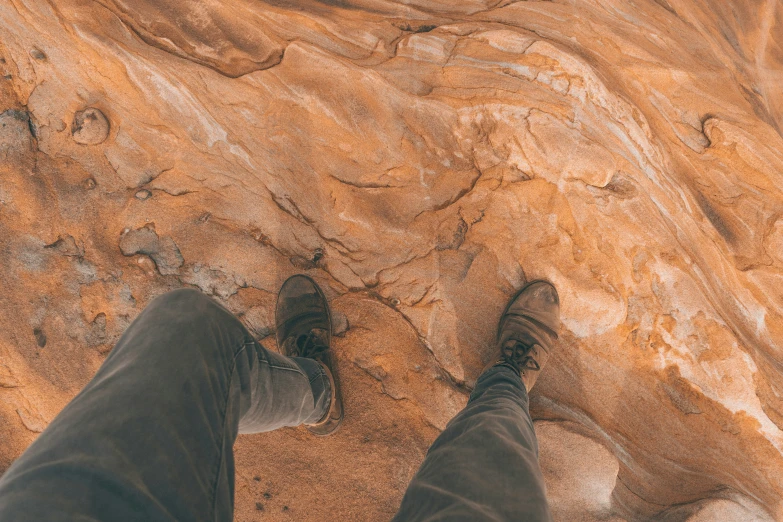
(150, 437)
(484, 466)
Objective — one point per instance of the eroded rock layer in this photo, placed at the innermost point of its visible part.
(421, 160)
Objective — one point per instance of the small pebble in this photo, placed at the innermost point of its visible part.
(38, 54)
(267, 495)
(339, 323)
(146, 264)
(40, 337)
(90, 127)
(89, 183)
(259, 506)
(143, 194)
(257, 479)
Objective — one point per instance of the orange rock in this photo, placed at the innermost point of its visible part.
(422, 160)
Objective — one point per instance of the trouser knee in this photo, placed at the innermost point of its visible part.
(191, 320)
(190, 305)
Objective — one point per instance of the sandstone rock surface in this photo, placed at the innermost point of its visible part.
(421, 160)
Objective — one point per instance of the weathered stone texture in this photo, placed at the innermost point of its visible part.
(421, 160)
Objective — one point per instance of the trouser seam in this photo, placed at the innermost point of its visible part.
(276, 367)
(221, 452)
(319, 375)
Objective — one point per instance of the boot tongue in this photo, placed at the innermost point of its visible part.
(523, 355)
(313, 343)
(308, 344)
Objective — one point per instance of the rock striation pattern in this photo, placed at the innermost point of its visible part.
(422, 160)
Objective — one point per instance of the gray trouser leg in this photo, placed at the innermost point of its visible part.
(150, 437)
(484, 466)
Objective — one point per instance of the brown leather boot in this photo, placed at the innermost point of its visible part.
(304, 329)
(528, 330)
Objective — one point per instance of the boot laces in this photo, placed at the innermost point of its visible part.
(309, 345)
(522, 356)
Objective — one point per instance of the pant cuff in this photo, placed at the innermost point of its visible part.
(320, 386)
(499, 374)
